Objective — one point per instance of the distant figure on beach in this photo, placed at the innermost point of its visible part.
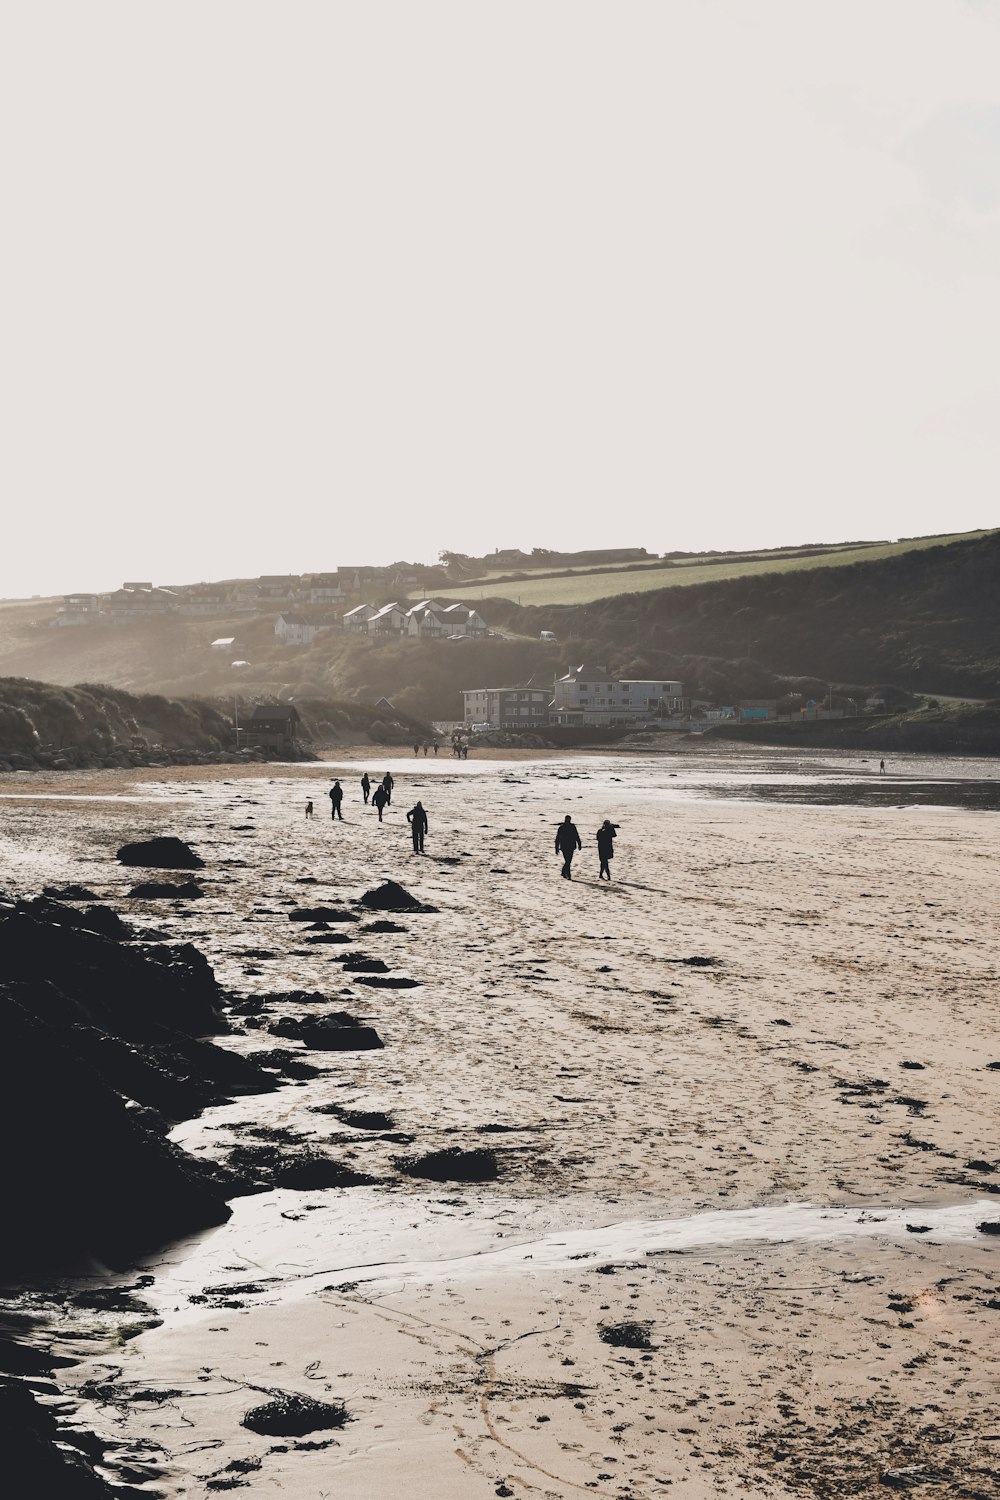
(416, 747)
(336, 798)
(426, 747)
(568, 841)
(606, 846)
(465, 750)
(417, 819)
(379, 799)
(387, 786)
(435, 747)
(309, 808)
(366, 786)
(881, 768)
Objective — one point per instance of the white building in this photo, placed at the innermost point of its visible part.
(356, 619)
(296, 630)
(389, 620)
(78, 609)
(588, 694)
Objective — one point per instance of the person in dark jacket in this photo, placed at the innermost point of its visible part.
(417, 819)
(379, 799)
(568, 841)
(366, 786)
(387, 786)
(336, 798)
(606, 846)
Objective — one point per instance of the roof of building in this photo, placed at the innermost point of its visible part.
(225, 640)
(588, 669)
(386, 609)
(268, 711)
(296, 619)
(357, 610)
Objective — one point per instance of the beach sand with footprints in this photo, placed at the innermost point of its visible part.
(731, 1125)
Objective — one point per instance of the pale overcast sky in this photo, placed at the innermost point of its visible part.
(290, 285)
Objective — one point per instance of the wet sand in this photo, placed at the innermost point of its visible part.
(832, 1048)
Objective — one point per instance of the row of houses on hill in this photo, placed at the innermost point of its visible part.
(138, 599)
(422, 621)
(585, 695)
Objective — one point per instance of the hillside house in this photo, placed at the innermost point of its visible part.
(381, 703)
(426, 620)
(296, 630)
(517, 708)
(356, 619)
(323, 588)
(202, 599)
(273, 726)
(78, 609)
(133, 603)
(389, 620)
(461, 620)
(224, 643)
(277, 588)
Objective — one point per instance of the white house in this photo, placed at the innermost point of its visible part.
(389, 620)
(356, 619)
(296, 630)
(224, 643)
(461, 620)
(588, 694)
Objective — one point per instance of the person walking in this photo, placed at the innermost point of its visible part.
(606, 846)
(426, 748)
(881, 768)
(435, 747)
(387, 786)
(379, 799)
(416, 747)
(336, 798)
(309, 808)
(417, 820)
(568, 841)
(366, 787)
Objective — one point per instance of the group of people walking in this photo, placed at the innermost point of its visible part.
(380, 799)
(568, 839)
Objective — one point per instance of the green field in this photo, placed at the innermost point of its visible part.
(585, 588)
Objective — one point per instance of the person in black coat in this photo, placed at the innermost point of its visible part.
(336, 798)
(379, 798)
(387, 786)
(606, 846)
(568, 841)
(366, 786)
(417, 819)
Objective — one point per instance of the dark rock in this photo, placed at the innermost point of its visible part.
(916, 1067)
(293, 1416)
(356, 963)
(31, 1462)
(382, 924)
(981, 1166)
(330, 937)
(625, 1335)
(155, 890)
(334, 1032)
(989, 1226)
(393, 897)
(452, 1165)
(99, 919)
(167, 853)
(358, 1119)
(388, 981)
(69, 893)
(321, 914)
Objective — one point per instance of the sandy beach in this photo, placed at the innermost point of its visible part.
(743, 1103)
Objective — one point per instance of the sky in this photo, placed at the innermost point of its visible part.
(293, 285)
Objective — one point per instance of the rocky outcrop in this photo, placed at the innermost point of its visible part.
(165, 853)
(101, 1042)
(391, 896)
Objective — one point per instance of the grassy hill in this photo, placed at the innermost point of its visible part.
(585, 586)
(927, 618)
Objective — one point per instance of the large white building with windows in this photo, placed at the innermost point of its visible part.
(523, 708)
(588, 694)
